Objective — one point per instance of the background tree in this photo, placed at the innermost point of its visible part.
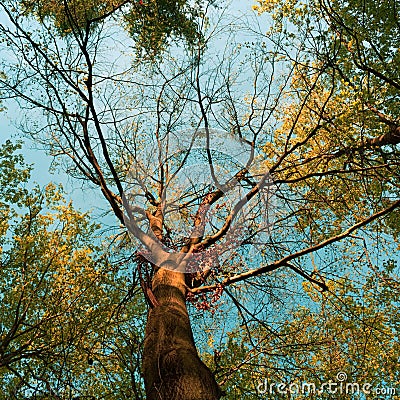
(306, 136)
(346, 334)
(63, 301)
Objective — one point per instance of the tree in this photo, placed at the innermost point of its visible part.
(62, 304)
(346, 335)
(225, 164)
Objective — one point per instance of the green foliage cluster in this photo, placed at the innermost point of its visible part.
(151, 23)
(64, 330)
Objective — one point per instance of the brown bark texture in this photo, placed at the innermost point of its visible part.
(171, 366)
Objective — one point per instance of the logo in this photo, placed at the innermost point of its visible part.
(340, 386)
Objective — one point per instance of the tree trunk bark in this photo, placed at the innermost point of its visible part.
(171, 366)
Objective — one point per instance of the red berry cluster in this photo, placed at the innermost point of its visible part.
(206, 301)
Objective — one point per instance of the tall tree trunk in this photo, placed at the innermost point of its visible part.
(171, 366)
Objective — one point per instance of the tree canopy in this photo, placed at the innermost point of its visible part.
(261, 152)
